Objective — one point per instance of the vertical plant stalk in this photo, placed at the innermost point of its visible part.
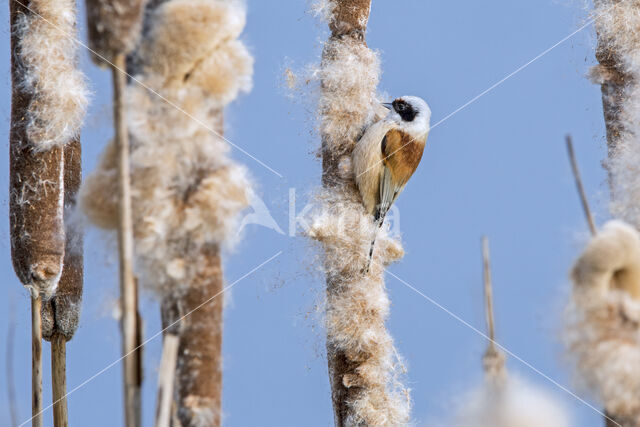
(614, 79)
(128, 292)
(61, 314)
(187, 192)
(59, 380)
(166, 379)
(199, 368)
(47, 106)
(618, 83)
(9, 370)
(493, 359)
(360, 353)
(349, 21)
(578, 179)
(36, 361)
(609, 89)
(198, 376)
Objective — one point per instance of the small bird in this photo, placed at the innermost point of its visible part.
(388, 154)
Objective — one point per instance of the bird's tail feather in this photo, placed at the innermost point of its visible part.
(379, 220)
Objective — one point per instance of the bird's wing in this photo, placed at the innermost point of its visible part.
(400, 155)
(389, 190)
(367, 163)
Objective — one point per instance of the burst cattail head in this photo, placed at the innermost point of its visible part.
(618, 29)
(603, 317)
(513, 403)
(208, 56)
(184, 186)
(46, 62)
(364, 368)
(48, 103)
(114, 27)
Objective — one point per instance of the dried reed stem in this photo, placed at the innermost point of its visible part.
(36, 362)
(128, 292)
(59, 379)
(503, 399)
(493, 359)
(580, 187)
(9, 371)
(166, 378)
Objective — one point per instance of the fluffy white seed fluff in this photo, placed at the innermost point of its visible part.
(48, 53)
(208, 56)
(186, 191)
(602, 329)
(357, 304)
(514, 403)
(618, 28)
(323, 9)
(349, 73)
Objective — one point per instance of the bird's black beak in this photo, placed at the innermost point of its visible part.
(387, 105)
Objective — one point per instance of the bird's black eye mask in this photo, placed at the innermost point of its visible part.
(405, 110)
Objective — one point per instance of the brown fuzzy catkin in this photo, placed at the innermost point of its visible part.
(114, 27)
(186, 191)
(602, 332)
(36, 181)
(617, 25)
(362, 371)
(61, 314)
(198, 386)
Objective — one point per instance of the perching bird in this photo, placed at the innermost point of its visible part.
(388, 154)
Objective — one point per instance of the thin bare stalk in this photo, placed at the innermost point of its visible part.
(488, 290)
(59, 379)
(10, 374)
(129, 321)
(166, 378)
(580, 187)
(493, 359)
(36, 361)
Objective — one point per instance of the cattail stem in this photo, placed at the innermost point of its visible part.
(488, 291)
(36, 361)
(59, 379)
(166, 378)
(9, 371)
(493, 359)
(129, 321)
(580, 187)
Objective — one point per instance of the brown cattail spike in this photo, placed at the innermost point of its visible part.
(61, 314)
(363, 369)
(48, 102)
(36, 176)
(114, 27)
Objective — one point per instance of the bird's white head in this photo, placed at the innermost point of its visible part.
(411, 114)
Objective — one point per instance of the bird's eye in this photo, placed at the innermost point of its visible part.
(401, 106)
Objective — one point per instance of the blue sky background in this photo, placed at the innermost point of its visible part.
(498, 167)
